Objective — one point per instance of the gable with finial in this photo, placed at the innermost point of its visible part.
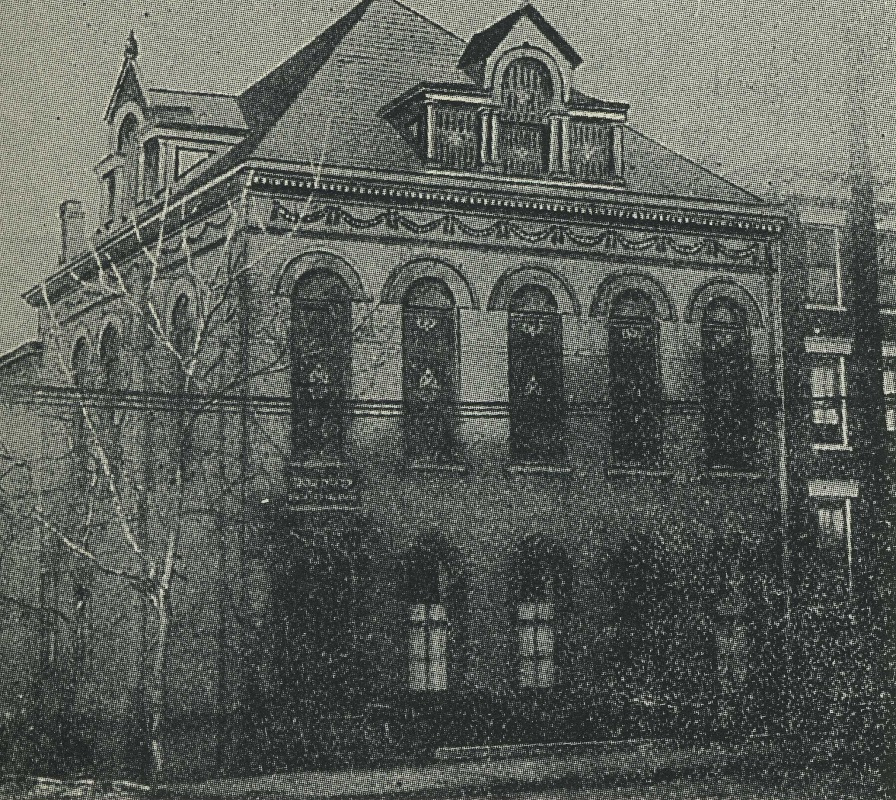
(128, 86)
(524, 32)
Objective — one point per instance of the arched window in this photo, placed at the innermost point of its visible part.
(321, 353)
(635, 386)
(540, 576)
(535, 376)
(526, 95)
(430, 354)
(111, 384)
(727, 386)
(428, 616)
(80, 436)
(183, 340)
(129, 150)
(434, 589)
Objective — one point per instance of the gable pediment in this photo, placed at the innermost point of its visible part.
(127, 89)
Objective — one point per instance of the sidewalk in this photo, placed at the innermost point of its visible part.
(573, 766)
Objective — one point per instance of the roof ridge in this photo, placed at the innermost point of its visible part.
(191, 91)
(700, 166)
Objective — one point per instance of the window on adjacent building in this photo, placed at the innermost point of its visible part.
(429, 326)
(523, 134)
(428, 619)
(535, 376)
(727, 386)
(321, 353)
(635, 385)
(828, 387)
(823, 272)
(834, 539)
(890, 394)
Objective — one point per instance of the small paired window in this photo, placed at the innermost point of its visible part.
(890, 394)
(635, 385)
(886, 261)
(828, 388)
(833, 527)
(824, 280)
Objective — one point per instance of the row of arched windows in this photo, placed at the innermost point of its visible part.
(321, 355)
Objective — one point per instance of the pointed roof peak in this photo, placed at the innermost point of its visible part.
(130, 49)
(483, 44)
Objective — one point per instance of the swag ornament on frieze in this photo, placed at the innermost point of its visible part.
(553, 234)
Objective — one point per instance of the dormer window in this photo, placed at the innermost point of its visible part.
(524, 133)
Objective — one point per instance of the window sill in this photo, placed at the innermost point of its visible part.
(750, 475)
(826, 307)
(423, 466)
(841, 448)
(621, 471)
(537, 469)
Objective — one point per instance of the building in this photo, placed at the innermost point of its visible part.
(826, 418)
(458, 400)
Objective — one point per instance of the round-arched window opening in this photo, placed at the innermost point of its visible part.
(527, 90)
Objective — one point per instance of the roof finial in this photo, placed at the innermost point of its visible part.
(130, 49)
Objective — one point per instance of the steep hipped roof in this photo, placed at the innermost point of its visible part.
(323, 105)
(483, 44)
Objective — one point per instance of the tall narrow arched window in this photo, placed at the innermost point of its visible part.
(727, 386)
(527, 92)
(111, 385)
(129, 150)
(80, 429)
(635, 385)
(535, 377)
(151, 168)
(429, 326)
(321, 354)
(183, 340)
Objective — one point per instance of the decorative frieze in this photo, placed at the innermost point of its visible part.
(559, 235)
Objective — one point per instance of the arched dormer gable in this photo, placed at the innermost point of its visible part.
(614, 285)
(284, 279)
(513, 280)
(524, 28)
(404, 276)
(724, 287)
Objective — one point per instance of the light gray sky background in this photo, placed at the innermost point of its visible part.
(753, 90)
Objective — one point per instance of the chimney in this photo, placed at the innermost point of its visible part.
(74, 237)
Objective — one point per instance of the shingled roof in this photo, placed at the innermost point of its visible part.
(323, 104)
(483, 44)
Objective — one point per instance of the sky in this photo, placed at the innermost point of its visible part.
(752, 90)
